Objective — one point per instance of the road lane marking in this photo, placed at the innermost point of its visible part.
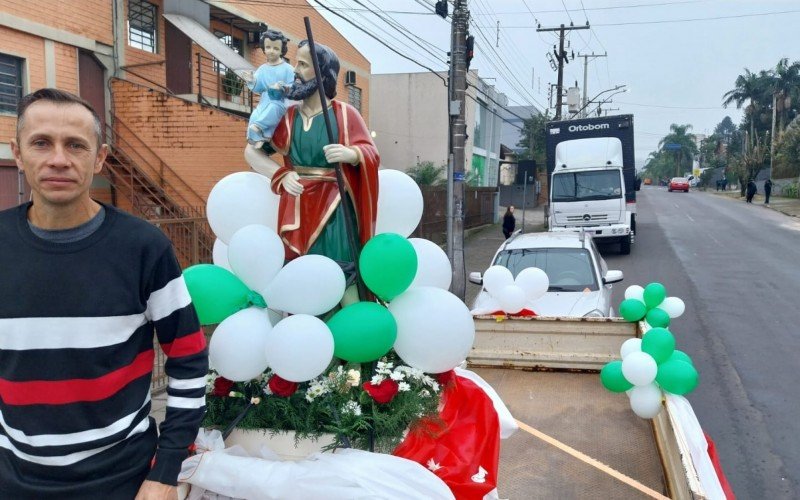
(690, 217)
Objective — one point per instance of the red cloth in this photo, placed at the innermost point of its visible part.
(723, 481)
(525, 313)
(299, 224)
(463, 449)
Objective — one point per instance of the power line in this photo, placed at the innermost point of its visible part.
(272, 3)
(667, 107)
(666, 21)
(379, 40)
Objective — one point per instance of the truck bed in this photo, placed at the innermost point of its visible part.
(573, 408)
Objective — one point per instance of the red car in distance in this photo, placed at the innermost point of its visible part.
(678, 184)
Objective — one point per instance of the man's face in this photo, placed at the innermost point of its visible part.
(58, 152)
(304, 69)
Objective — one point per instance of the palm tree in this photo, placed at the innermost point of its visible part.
(786, 88)
(749, 87)
(679, 134)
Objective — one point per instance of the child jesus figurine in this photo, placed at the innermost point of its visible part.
(271, 80)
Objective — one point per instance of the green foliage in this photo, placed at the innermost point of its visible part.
(231, 83)
(425, 173)
(792, 190)
(335, 403)
(787, 154)
(534, 127)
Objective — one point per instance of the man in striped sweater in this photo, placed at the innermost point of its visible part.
(84, 286)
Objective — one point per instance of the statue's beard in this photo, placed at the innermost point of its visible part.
(301, 89)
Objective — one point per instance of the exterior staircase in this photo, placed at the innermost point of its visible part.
(145, 185)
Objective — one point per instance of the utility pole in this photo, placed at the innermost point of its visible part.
(562, 56)
(458, 137)
(585, 80)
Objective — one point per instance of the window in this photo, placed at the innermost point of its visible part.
(569, 269)
(143, 25)
(354, 96)
(584, 186)
(10, 83)
(235, 44)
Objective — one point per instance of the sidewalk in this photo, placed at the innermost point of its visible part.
(788, 206)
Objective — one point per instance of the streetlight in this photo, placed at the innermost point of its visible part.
(608, 99)
(618, 87)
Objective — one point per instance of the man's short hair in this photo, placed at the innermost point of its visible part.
(328, 67)
(58, 97)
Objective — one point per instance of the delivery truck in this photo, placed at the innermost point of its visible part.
(592, 178)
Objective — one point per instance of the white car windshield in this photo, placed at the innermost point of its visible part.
(569, 269)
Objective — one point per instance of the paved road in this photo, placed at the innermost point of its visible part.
(736, 267)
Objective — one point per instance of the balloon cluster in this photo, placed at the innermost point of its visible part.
(650, 304)
(651, 365)
(267, 312)
(509, 294)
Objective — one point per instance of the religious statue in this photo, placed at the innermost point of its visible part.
(271, 80)
(311, 219)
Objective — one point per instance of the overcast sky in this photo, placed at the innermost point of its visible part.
(675, 72)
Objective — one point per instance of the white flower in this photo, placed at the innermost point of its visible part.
(267, 390)
(403, 387)
(377, 379)
(425, 393)
(397, 376)
(210, 379)
(351, 408)
(353, 378)
(383, 367)
(255, 400)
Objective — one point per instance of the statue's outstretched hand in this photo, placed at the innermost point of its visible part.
(246, 75)
(337, 153)
(291, 183)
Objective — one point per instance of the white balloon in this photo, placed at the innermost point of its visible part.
(496, 278)
(630, 346)
(238, 200)
(435, 330)
(299, 348)
(534, 281)
(310, 284)
(236, 349)
(433, 266)
(512, 299)
(673, 306)
(399, 203)
(635, 292)
(639, 368)
(646, 400)
(256, 254)
(219, 255)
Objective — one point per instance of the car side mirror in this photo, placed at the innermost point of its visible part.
(476, 277)
(613, 276)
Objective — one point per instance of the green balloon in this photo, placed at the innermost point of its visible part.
(677, 377)
(612, 378)
(362, 332)
(632, 309)
(216, 292)
(657, 318)
(681, 356)
(658, 343)
(654, 294)
(388, 264)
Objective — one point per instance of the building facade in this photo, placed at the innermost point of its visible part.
(410, 117)
(162, 75)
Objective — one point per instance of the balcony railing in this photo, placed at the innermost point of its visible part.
(220, 87)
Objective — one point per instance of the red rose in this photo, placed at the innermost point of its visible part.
(281, 387)
(382, 393)
(222, 387)
(446, 378)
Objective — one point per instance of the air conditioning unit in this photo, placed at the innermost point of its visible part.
(349, 77)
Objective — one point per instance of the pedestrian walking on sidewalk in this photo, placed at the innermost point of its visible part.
(767, 190)
(509, 222)
(751, 190)
(86, 287)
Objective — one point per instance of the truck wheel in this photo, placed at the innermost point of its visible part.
(625, 246)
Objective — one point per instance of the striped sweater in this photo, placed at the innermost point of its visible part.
(76, 356)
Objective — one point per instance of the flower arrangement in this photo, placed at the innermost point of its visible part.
(362, 411)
